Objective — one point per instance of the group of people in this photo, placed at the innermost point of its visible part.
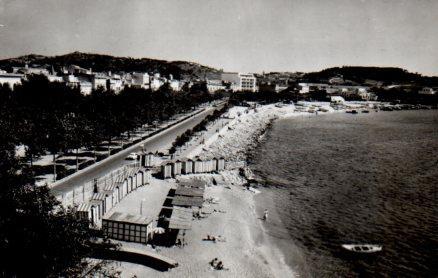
(214, 238)
(218, 265)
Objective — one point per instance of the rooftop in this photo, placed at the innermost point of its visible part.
(181, 218)
(129, 218)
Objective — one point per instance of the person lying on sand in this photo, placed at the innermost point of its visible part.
(214, 262)
(214, 238)
(210, 238)
(220, 266)
(219, 210)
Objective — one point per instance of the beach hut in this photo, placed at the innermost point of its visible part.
(130, 180)
(88, 211)
(209, 166)
(176, 168)
(139, 178)
(146, 177)
(111, 191)
(125, 188)
(102, 198)
(198, 166)
(147, 159)
(97, 209)
(128, 227)
(166, 170)
(214, 163)
(84, 211)
(221, 164)
(187, 166)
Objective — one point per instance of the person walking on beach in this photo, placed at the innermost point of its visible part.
(265, 215)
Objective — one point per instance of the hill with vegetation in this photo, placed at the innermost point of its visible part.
(98, 62)
(361, 75)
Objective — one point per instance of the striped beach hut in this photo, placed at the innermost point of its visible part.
(112, 191)
(102, 197)
(88, 211)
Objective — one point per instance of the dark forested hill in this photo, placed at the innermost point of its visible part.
(387, 75)
(98, 62)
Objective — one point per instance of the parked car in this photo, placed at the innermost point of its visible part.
(132, 156)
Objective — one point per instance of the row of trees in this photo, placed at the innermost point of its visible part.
(49, 116)
(202, 126)
(38, 237)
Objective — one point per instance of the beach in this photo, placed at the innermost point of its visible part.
(249, 249)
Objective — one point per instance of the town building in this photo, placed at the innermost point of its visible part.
(11, 79)
(427, 91)
(215, 85)
(240, 81)
(140, 80)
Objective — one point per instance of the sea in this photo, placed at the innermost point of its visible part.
(354, 178)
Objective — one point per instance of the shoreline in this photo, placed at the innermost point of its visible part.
(253, 248)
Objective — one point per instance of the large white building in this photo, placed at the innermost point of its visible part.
(10, 78)
(215, 85)
(140, 80)
(240, 81)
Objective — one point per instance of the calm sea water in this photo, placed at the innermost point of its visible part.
(366, 178)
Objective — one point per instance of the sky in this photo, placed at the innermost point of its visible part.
(240, 35)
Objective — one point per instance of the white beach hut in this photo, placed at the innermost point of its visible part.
(221, 164)
(198, 166)
(187, 166)
(166, 170)
(176, 168)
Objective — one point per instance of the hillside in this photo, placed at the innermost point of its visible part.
(179, 69)
(360, 75)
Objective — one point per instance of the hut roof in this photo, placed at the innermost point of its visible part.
(96, 202)
(193, 183)
(84, 207)
(129, 218)
(187, 201)
(181, 218)
(110, 187)
(98, 196)
(189, 191)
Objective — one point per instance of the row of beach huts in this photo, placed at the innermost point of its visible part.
(190, 166)
(101, 202)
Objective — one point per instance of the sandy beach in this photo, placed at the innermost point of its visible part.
(248, 249)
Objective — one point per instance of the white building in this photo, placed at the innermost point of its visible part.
(85, 85)
(427, 91)
(140, 80)
(10, 78)
(156, 82)
(337, 100)
(99, 80)
(115, 83)
(175, 85)
(30, 70)
(215, 85)
(240, 81)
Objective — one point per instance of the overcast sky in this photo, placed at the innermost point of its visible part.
(240, 35)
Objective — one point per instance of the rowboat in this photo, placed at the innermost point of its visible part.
(362, 248)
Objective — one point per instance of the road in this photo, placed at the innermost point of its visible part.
(155, 143)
